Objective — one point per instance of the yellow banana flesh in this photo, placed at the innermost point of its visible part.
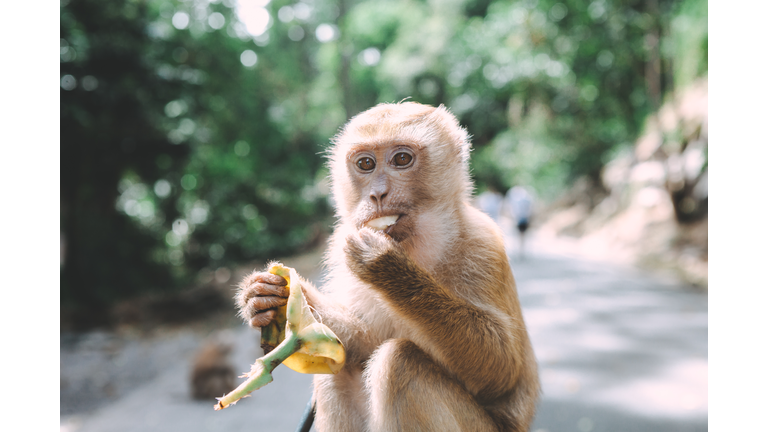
(299, 342)
(321, 352)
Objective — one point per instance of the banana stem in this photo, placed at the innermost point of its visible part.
(261, 371)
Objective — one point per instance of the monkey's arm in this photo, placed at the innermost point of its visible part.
(353, 332)
(476, 344)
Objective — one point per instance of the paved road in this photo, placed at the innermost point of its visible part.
(619, 350)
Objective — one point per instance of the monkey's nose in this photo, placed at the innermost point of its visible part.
(379, 190)
(378, 197)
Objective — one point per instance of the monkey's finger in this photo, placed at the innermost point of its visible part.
(354, 244)
(258, 304)
(255, 305)
(262, 319)
(374, 239)
(263, 289)
(275, 290)
(272, 279)
(266, 278)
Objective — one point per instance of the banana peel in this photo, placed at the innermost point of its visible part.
(299, 341)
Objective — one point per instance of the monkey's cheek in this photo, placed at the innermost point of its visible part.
(398, 233)
(401, 230)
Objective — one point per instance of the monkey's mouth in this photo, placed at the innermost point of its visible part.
(384, 223)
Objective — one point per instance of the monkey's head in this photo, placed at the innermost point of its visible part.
(406, 162)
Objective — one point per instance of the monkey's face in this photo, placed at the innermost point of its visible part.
(384, 187)
(406, 163)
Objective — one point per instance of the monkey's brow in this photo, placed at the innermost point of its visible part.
(375, 144)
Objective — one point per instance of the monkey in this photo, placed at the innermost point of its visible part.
(427, 306)
(212, 373)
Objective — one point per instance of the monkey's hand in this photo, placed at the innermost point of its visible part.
(371, 254)
(258, 297)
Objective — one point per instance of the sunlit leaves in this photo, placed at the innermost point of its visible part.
(222, 109)
(248, 58)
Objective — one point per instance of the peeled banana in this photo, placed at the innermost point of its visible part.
(299, 341)
(382, 223)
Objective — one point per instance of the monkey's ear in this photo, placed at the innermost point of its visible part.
(458, 134)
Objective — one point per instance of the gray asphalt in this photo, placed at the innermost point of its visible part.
(619, 349)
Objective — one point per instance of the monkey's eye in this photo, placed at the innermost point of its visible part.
(402, 159)
(366, 164)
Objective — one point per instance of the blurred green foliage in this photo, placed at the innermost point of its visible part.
(193, 132)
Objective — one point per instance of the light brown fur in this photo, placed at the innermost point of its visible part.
(428, 314)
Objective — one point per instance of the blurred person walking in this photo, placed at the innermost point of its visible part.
(520, 203)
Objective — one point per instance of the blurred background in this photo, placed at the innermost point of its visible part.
(193, 136)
